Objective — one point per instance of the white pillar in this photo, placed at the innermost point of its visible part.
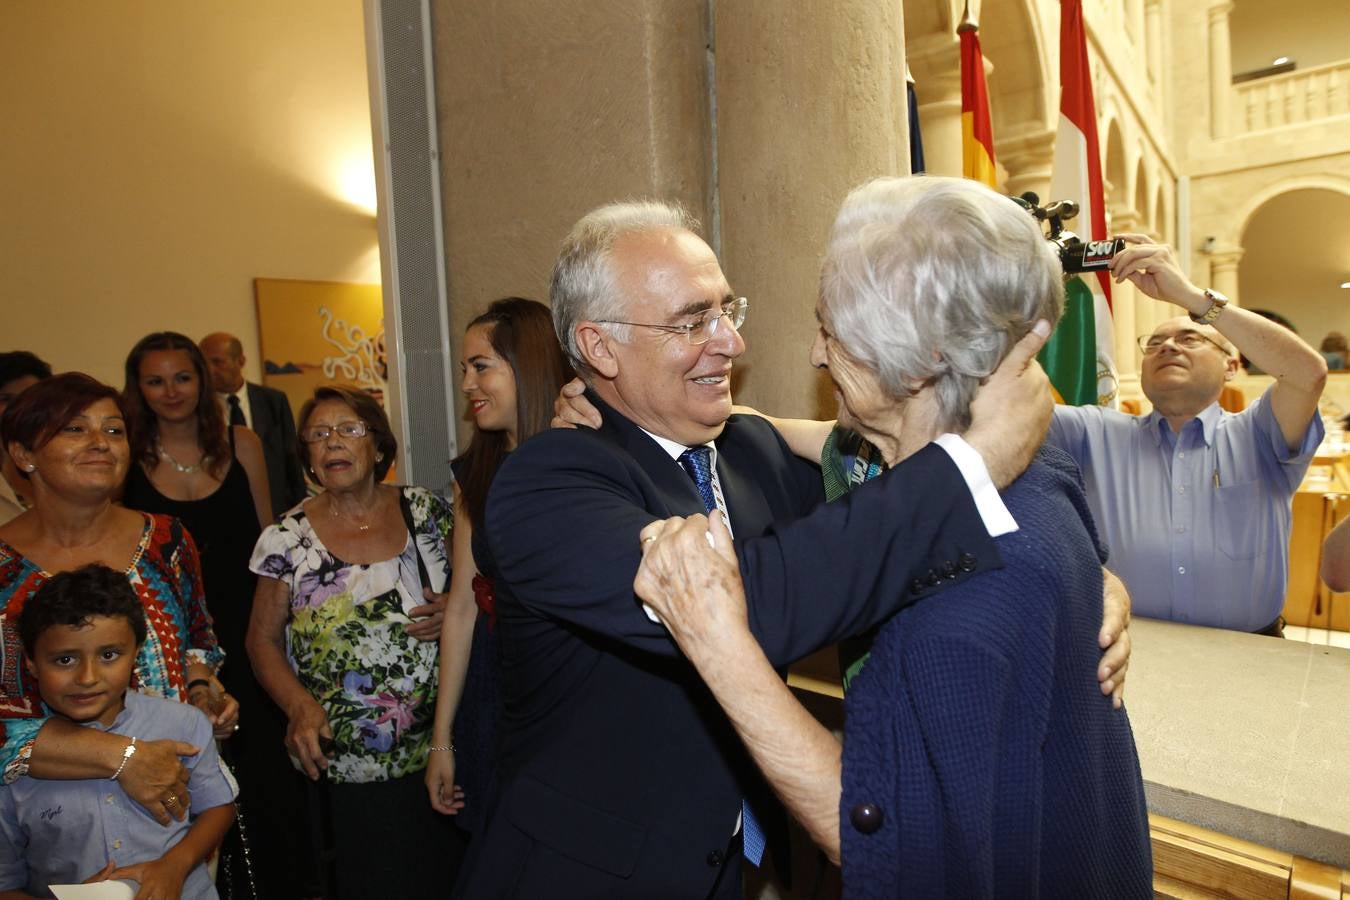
(1220, 69)
(1223, 271)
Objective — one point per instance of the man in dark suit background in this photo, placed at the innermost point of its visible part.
(264, 409)
(619, 776)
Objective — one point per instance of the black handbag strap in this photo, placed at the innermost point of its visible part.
(405, 506)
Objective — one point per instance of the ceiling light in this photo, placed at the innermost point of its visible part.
(1346, 285)
(1280, 60)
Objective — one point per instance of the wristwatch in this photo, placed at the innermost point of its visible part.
(1217, 302)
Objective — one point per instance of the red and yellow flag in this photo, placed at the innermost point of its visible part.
(977, 132)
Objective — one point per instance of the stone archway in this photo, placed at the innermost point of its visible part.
(1295, 257)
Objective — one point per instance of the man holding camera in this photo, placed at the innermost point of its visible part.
(1193, 501)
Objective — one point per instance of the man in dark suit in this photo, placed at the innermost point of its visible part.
(618, 776)
(265, 410)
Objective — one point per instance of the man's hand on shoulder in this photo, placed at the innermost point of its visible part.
(1010, 414)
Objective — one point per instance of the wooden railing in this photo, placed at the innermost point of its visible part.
(1296, 97)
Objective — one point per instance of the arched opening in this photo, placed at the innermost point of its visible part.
(1295, 260)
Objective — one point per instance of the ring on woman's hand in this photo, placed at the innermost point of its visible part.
(649, 538)
(236, 726)
(172, 800)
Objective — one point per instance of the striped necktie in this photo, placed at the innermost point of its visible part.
(697, 464)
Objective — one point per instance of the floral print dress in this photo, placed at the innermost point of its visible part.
(347, 638)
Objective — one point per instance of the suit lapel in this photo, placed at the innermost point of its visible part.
(746, 499)
(257, 405)
(668, 478)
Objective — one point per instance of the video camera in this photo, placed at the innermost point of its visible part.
(1075, 254)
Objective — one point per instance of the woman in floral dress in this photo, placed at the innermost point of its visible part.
(343, 636)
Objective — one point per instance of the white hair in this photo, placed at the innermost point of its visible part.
(932, 280)
(583, 286)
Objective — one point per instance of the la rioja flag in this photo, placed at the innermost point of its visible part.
(1079, 357)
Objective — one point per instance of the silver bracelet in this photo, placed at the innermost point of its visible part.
(126, 755)
(448, 748)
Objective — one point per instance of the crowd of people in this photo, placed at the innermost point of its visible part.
(562, 675)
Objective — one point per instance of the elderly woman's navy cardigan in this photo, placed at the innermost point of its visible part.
(977, 742)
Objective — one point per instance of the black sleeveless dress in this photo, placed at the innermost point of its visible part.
(224, 526)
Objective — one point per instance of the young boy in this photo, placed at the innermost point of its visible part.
(81, 632)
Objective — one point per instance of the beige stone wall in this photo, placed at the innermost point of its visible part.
(547, 110)
(157, 156)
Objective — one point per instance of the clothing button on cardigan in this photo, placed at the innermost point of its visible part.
(916, 586)
(866, 817)
(715, 858)
(934, 579)
(965, 562)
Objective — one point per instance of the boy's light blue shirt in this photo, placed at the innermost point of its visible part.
(62, 832)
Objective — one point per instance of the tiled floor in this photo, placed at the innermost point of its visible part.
(1317, 636)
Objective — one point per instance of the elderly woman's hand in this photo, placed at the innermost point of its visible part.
(220, 707)
(156, 779)
(426, 624)
(309, 738)
(690, 578)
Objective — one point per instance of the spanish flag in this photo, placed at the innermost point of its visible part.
(1079, 357)
(977, 134)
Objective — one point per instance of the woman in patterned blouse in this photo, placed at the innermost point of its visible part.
(343, 636)
(67, 437)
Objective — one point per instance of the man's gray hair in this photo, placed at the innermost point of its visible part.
(932, 280)
(583, 286)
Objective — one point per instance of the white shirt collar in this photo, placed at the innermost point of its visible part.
(675, 448)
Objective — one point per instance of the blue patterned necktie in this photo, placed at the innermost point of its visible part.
(697, 464)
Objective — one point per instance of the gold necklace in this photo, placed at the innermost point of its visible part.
(333, 513)
(186, 470)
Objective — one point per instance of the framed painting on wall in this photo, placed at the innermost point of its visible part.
(318, 332)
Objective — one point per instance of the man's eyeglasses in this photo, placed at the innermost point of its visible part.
(1186, 340)
(702, 329)
(324, 432)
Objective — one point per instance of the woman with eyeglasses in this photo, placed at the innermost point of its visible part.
(343, 636)
(512, 369)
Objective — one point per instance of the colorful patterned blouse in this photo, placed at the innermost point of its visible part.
(348, 643)
(167, 577)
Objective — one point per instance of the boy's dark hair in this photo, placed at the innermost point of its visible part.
(72, 598)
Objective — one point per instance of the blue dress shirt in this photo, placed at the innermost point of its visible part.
(1197, 523)
(61, 832)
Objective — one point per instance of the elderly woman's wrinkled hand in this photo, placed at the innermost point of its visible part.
(690, 578)
(309, 736)
(155, 775)
(426, 624)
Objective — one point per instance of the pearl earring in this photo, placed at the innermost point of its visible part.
(30, 468)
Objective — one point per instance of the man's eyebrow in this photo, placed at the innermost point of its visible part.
(696, 306)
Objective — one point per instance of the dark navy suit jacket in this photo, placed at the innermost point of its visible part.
(273, 422)
(619, 774)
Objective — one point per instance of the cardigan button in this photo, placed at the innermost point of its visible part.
(715, 858)
(866, 817)
(965, 562)
(934, 579)
(917, 586)
(948, 570)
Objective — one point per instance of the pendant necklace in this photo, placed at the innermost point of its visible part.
(179, 467)
(363, 528)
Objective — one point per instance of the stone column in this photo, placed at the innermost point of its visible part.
(546, 110)
(935, 61)
(810, 103)
(1223, 271)
(1220, 70)
(1028, 159)
(1153, 37)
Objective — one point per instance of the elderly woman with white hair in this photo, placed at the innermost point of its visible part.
(979, 758)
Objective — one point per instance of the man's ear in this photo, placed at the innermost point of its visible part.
(1230, 372)
(594, 343)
